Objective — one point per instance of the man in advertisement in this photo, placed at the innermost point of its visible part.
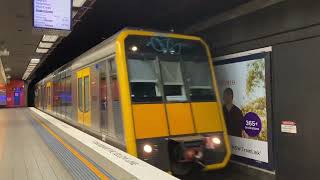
(233, 114)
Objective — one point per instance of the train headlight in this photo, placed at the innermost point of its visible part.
(134, 48)
(213, 142)
(216, 140)
(147, 148)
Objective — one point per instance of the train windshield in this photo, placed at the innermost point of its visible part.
(170, 69)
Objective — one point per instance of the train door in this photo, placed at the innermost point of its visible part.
(62, 94)
(83, 96)
(39, 96)
(43, 96)
(115, 116)
(59, 91)
(110, 120)
(48, 93)
(56, 95)
(103, 96)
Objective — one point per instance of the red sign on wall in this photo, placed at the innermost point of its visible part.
(289, 127)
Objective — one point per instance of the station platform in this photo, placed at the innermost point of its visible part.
(36, 146)
(23, 153)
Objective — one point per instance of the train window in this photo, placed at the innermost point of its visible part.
(198, 78)
(143, 75)
(86, 94)
(80, 94)
(113, 67)
(184, 64)
(173, 85)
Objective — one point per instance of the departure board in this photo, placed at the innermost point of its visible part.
(52, 14)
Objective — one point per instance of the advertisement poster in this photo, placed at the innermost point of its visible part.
(3, 97)
(242, 84)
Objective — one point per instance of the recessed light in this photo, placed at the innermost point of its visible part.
(50, 38)
(78, 3)
(42, 51)
(34, 61)
(74, 13)
(45, 45)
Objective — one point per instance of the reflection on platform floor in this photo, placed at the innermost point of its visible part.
(232, 172)
(23, 154)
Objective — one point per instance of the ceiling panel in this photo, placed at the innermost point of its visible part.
(16, 26)
(106, 17)
(16, 34)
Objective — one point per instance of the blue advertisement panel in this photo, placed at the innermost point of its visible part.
(3, 98)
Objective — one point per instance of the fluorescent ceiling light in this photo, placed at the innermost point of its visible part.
(34, 61)
(42, 51)
(7, 69)
(45, 45)
(78, 3)
(74, 13)
(50, 38)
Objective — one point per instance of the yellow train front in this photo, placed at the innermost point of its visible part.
(151, 94)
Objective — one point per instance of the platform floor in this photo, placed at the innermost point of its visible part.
(231, 172)
(23, 154)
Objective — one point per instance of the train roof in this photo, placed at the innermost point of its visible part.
(103, 44)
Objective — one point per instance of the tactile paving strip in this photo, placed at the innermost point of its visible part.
(75, 167)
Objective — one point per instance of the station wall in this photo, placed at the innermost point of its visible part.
(284, 22)
(292, 28)
(15, 93)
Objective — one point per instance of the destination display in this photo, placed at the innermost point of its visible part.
(52, 14)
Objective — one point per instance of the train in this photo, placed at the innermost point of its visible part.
(151, 94)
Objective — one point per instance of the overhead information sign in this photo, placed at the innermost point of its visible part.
(52, 14)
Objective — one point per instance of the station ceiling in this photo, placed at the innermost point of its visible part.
(16, 36)
(105, 18)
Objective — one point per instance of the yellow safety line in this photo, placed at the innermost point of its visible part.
(94, 169)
